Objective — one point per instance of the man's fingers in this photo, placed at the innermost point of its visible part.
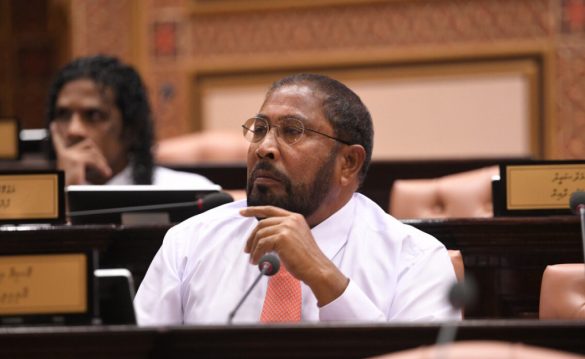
(58, 141)
(90, 157)
(100, 164)
(266, 222)
(80, 160)
(263, 211)
(262, 246)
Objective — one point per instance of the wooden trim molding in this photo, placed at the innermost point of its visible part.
(199, 7)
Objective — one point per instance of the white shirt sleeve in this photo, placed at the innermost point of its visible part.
(353, 305)
(416, 298)
(158, 300)
(423, 289)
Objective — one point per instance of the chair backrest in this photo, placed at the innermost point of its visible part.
(482, 350)
(202, 147)
(562, 292)
(457, 261)
(465, 194)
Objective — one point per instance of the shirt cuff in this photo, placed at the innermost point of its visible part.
(351, 305)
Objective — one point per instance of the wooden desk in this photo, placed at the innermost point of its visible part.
(507, 256)
(303, 341)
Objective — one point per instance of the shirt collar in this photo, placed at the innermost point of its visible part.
(122, 178)
(332, 234)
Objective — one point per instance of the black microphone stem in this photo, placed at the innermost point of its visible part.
(91, 212)
(582, 216)
(447, 334)
(265, 268)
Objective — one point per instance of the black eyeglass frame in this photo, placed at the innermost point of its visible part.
(301, 125)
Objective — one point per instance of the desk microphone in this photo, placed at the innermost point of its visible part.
(461, 295)
(201, 205)
(577, 204)
(269, 265)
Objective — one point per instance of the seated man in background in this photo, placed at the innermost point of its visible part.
(343, 258)
(102, 129)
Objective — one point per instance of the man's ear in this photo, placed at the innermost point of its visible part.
(352, 160)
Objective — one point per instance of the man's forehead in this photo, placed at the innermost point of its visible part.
(295, 100)
(296, 89)
(85, 90)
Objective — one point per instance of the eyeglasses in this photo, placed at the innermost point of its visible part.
(291, 130)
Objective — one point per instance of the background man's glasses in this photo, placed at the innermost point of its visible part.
(291, 130)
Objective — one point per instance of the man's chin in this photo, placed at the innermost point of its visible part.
(264, 196)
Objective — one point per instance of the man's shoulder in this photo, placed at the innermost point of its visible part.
(375, 219)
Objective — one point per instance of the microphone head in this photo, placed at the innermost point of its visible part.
(213, 200)
(269, 263)
(462, 294)
(577, 200)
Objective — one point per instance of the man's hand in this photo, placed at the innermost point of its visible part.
(289, 235)
(82, 162)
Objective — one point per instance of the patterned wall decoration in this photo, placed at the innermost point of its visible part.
(103, 27)
(165, 39)
(168, 98)
(573, 16)
(571, 100)
(166, 53)
(158, 4)
(392, 24)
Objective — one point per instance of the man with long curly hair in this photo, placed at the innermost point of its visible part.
(102, 129)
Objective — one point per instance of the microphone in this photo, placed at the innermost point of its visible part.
(213, 200)
(461, 295)
(201, 205)
(577, 204)
(577, 201)
(269, 265)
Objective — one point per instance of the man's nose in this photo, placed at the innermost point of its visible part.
(268, 146)
(76, 127)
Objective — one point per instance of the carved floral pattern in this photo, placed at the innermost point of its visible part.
(398, 23)
(571, 100)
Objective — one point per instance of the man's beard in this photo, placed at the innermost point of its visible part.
(304, 199)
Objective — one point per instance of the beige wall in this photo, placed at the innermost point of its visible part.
(422, 117)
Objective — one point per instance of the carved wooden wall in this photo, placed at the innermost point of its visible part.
(171, 41)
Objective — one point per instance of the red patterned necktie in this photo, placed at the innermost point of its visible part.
(283, 298)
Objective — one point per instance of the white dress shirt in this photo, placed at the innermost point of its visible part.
(162, 176)
(396, 272)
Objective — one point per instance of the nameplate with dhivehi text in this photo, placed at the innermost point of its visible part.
(9, 139)
(43, 284)
(541, 187)
(31, 197)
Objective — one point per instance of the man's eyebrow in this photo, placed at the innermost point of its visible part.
(283, 117)
(261, 116)
(295, 117)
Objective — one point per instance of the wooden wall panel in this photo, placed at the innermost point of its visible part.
(103, 27)
(171, 41)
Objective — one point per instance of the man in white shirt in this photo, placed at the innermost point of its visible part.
(101, 126)
(311, 144)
